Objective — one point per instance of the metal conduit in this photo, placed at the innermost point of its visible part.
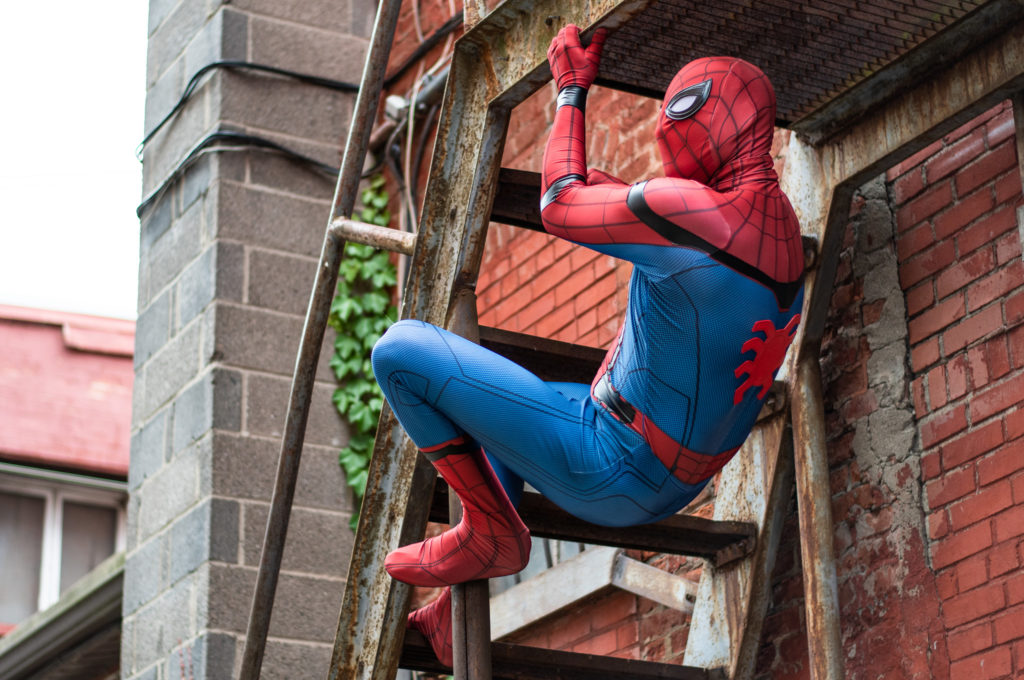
(312, 338)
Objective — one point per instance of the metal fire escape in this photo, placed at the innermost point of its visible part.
(886, 99)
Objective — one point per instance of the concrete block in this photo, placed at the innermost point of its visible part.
(312, 610)
(169, 370)
(306, 608)
(318, 542)
(160, 625)
(223, 37)
(230, 268)
(209, 531)
(230, 597)
(178, 246)
(214, 401)
(197, 286)
(267, 406)
(210, 656)
(158, 11)
(279, 281)
(218, 273)
(156, 220)
(295, 659)
(195, 181)
(131, 529)
(145, 574)
(251, 338)
(255, 217)
(164, 153)
(169, 493)
(284, 174)
(148, 450)
(326, 16)
(245, 468)
(152, 328)
(364, 14)
(286, 106)
(308, 49)
(163, 95)
(174, 32)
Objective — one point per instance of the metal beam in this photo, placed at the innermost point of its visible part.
(814, 502)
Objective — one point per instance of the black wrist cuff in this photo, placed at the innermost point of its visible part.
(572, 95)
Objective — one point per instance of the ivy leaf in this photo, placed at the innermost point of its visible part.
(375, 302)
(352, 462)
(341, 399)
(358, 483)
(347, 345)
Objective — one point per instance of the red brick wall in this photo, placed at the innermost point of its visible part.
(922, 363)
(961, 268)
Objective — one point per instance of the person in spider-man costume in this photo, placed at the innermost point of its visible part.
(716, 287)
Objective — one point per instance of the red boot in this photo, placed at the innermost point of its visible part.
(435, 622)
(490, 540)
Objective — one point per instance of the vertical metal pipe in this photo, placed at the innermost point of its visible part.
(312, 338)
(471, 616)
(821, 592)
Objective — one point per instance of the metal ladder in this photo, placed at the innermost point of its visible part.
(496, 65)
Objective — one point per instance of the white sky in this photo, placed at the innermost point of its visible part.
(73, 77)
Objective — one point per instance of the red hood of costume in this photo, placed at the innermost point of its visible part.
(716, 124)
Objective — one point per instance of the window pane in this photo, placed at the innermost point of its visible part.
(21, 550)
(87, 539)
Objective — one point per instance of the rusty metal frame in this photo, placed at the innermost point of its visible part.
(312, 339)
(498, 63)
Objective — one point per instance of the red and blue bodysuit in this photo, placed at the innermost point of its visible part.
(713, 305)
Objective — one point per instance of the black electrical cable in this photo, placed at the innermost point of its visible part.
(237, 139)
(194, 82)
(339, 85)
(246, 140)
(428, 44)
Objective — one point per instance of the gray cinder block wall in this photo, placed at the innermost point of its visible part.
(228, 253)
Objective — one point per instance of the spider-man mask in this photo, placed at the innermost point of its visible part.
(716, 123)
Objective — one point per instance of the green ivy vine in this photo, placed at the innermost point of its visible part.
(360, 313)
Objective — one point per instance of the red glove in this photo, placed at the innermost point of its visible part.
(571, 63)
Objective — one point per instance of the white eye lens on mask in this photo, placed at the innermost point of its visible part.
(688, 101)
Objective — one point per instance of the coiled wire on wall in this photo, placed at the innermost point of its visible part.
(229, 140)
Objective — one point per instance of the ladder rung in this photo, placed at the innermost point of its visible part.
(517, 200)
(552, 360)
(718, 541)
(518, 662)
(372, 235)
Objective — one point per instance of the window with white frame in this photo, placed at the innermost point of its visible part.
(54, 529)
